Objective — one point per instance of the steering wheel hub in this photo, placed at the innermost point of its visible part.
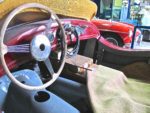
(40, 47)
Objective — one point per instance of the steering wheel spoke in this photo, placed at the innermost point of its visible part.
(23, 48)
(48, 64)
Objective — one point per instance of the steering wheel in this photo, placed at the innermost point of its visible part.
(40, 46)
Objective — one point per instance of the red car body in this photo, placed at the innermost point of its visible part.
(122, 30)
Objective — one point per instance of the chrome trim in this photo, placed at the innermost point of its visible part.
(40, 47)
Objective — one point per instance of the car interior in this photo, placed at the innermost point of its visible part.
(47, 62)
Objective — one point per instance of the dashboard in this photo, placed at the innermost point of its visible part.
(24, 33)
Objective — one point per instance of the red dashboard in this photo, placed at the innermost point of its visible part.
(24, 33)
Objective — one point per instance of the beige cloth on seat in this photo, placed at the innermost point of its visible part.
(85, 9)
(111, 92)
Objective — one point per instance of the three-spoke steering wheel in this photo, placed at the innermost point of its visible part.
(40, 46)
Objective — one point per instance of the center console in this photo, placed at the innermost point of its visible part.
(18, 100)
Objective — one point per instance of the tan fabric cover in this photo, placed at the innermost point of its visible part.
(111, 92)
(85, 9)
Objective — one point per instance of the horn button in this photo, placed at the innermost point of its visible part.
(40, 47)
